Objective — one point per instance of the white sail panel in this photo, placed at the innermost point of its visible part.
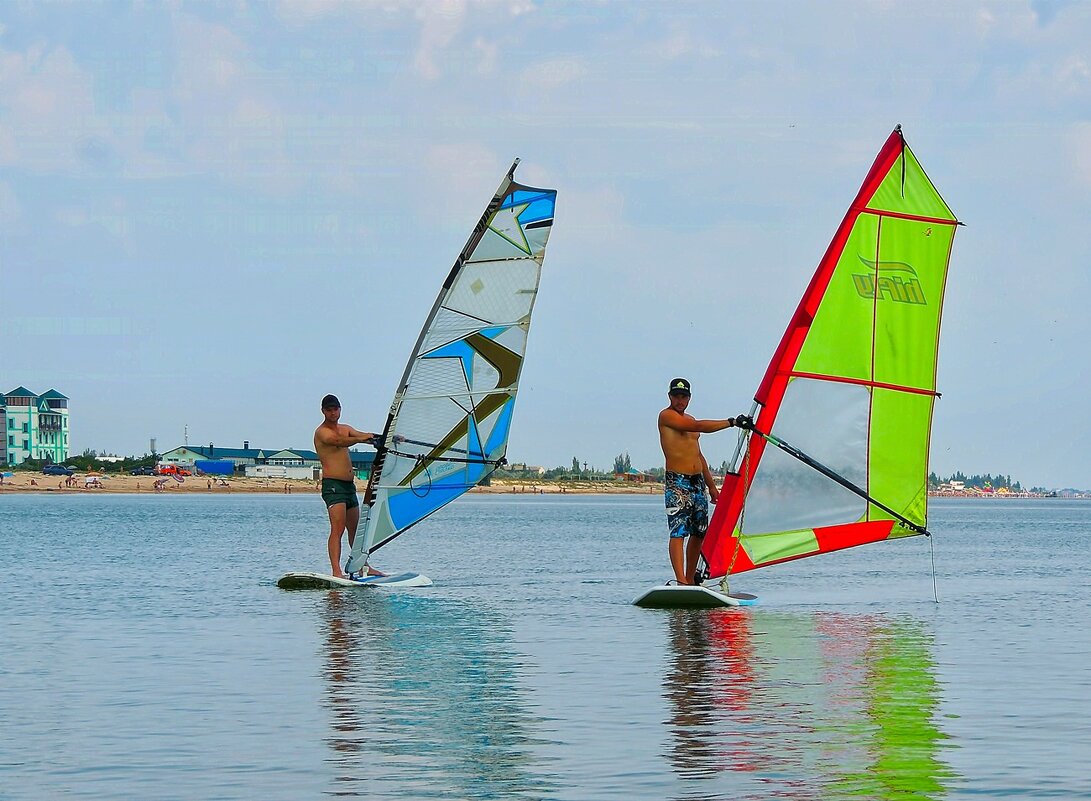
(496, 291)
(828, 421)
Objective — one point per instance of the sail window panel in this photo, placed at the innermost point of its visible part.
(839, 340)
(910, 277)
(500, 292)
(493, 429)
(829, 422)
(503, 239)
(900, 425)
(536, 240)
(449, 326)
(431, 420)
(514, 338)
(437, 376)
(485, 376)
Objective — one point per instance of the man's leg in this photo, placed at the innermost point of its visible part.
(352, 521)
(698, 525)
(676, 525)
(676, 550)
(693, 550)
(337, 528)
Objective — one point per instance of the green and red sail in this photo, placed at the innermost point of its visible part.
(852, 384)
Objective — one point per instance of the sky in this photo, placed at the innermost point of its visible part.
(213, 214)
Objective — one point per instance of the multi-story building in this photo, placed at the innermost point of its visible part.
(34, 426)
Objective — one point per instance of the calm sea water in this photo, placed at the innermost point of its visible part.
(146, 653)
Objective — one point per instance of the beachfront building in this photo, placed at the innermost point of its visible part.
(257, 461)
(34, 426)
(187, 455)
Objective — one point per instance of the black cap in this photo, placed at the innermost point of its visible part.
(331, 402)
(679, 385)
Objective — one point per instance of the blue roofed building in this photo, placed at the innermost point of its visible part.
(247, 457)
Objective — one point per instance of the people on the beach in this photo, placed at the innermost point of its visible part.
(332, 441)
(687, 477)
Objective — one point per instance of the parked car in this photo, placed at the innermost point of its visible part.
(143, 471)
(57, 470)
(173, 470)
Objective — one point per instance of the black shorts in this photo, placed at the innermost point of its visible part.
(336, 490)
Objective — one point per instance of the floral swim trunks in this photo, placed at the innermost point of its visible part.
(687, 505)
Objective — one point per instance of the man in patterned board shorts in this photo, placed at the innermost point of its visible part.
(686, 479)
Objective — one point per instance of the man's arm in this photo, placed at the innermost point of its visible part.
(363, 436)
(341, 440)
(680, 422)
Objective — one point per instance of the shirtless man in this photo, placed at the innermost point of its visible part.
(686, 478)
(332, 441)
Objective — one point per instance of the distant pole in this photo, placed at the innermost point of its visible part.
(185, 435)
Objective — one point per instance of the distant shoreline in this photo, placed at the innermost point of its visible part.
(196, 485)
(110, 484)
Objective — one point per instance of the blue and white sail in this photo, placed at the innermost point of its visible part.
(449, 422)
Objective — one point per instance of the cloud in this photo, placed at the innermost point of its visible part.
(554, 73)
(1047, 10)
(48, 108)
(1081, 152)
(11, 211)
(459, 170)
(680, 45)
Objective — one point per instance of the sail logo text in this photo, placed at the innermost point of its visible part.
(884, 282)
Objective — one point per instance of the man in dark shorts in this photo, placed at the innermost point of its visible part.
(687, 476)
(332, 441)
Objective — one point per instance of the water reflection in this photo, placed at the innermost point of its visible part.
(425, 700)
(812, 706)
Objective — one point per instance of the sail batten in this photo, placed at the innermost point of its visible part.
(451, 415)
(851, 385)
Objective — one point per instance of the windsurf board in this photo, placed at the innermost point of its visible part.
(690, 596)
(323, 581)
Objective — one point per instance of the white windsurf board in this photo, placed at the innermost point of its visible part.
(690, 596)
(323, 581)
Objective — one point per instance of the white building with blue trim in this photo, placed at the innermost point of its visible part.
(34, 426)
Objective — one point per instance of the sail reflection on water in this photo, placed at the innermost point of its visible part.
(809, 706)
(424, 700)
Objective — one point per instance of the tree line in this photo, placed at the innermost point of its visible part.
(987, 481)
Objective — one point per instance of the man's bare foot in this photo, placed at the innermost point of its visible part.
(373, 572)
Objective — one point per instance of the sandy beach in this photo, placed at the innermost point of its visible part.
(37, 482)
